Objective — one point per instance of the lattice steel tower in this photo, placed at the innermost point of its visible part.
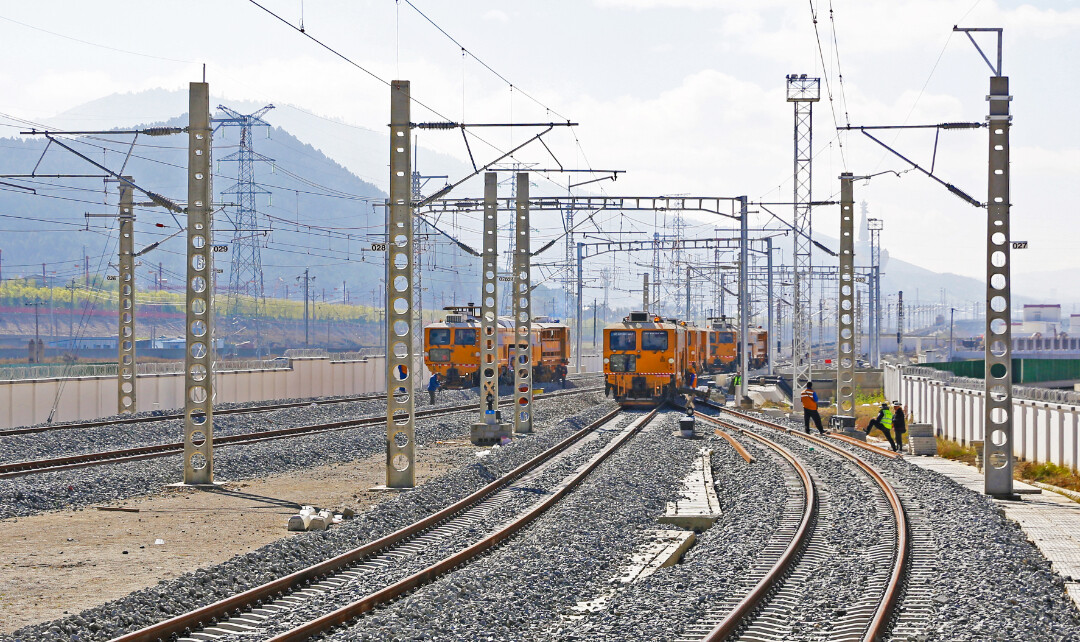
(246, 277)
(803, 92)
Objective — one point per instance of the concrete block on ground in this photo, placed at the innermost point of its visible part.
(921, 440)
(661, 549)
(698, 508)
(485, 434)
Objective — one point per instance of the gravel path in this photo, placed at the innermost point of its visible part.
(557, 419)
(990, 582)
(30, 494)
(570, 554)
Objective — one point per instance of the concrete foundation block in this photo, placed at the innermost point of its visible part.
(485, 434)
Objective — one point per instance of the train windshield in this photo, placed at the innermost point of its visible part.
(654, 340)
(439, 337)
(623, 362)
(725, 337)
(622, 340)
(439, 355)
(464, 337)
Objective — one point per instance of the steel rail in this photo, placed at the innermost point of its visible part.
(16, 469)
(212, 613)
(120, 421)
(879, 622)
(757, 595)
(347, 613)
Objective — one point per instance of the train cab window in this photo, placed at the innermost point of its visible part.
(623, 362)
(654, 340)
(439, 355)
(622, 340)
(725, 337)
(464, 337)
(439, 337)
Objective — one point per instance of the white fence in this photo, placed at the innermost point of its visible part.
(92, 394)
(1046, 423)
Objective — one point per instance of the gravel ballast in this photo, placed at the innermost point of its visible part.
(34, 493)
(557, 419)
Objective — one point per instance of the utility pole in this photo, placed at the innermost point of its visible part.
(687, 317)
(198, 332)
(874, 226)
(803, 92)
(952, 312)
(645, 292)
(307, 284)
(900, 323)
(998, 406)
(71, 311)
(126, 369)
(400, 378)
(594, 323)
(744, 302)
(845, 353)
(769, 304)
(490, 428)
(36, 353)
(523, 368)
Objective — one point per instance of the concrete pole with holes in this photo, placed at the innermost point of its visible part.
(400, 378)
(645, 293)
(490, 430)
(744, 299)
(198, 358)
(125, 370)
(523, 366)
(845, 344)
(998, 409)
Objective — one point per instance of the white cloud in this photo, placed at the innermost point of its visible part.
(497, 15)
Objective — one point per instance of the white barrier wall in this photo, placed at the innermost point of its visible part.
(1044, 431)
(29, 401)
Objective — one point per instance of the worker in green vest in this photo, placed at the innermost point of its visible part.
(736, 379)
(883, 422)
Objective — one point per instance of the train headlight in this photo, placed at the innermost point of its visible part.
(606, 360)
(671, 360)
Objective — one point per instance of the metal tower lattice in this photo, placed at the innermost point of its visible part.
(246, 276)
(803, 92)
(875, 225)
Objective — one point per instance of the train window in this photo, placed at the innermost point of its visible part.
(725, 337)
(464, 337)
(439, 355)
(622, 340)
(654, 340)
(623, 362)
(439, 337)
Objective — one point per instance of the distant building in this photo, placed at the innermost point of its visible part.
(1041, 318)
(1074, 325)
(85, 343)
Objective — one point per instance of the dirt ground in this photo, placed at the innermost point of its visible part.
(64, 562)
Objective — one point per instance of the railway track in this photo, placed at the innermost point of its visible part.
(174, 416)
(319, 595)
(67, 462)
(797, 548)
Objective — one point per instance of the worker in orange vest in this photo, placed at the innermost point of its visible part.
(809, 408)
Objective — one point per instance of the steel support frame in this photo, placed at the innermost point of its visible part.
(523, 365)
(998, 409)
(845, 307)
(772, 321)
(744, 298)
(199, 331)
(489, 305)
(803, 92)
(400, 374)
(126, 401)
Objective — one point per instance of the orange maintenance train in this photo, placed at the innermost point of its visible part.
(452, 347)
(649, 359)
(723, 346)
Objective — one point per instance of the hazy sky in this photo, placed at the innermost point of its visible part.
(686, 95)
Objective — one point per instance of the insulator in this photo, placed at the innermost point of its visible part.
(442, 125)
(163, 131)
(161, 201)
(960, 125)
